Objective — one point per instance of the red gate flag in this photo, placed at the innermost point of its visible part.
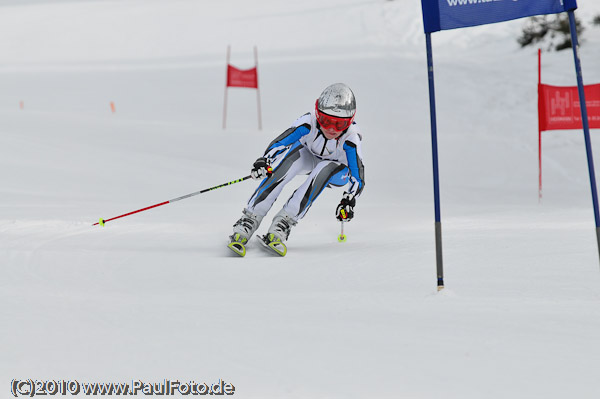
(559, 107)
(242, 77)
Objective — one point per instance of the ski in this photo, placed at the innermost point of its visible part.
(237, 244)
(273, 245)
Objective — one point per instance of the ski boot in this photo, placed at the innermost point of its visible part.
(242, 231)
(278, 233)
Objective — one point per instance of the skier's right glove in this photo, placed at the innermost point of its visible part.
(345, 209)
(261, 169)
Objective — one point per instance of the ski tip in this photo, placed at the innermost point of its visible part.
(274, 246)
(279, 248)
(238, 248)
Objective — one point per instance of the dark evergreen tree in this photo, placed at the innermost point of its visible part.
(553, 30)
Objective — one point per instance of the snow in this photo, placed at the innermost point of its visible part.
(157, 295)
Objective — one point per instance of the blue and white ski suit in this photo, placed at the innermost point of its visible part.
(304, 149)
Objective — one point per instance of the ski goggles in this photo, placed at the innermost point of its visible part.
(333, 122)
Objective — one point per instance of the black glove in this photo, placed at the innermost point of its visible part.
(345, 210)
(261, 169)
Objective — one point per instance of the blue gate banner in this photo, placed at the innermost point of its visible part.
(452, 14)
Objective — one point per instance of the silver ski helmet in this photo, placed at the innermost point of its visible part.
(335, 108)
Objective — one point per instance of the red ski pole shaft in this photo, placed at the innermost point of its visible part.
(103, 221)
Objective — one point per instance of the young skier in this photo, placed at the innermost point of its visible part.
(324, 144)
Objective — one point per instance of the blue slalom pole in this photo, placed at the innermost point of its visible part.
(436, 178)
(585, 122)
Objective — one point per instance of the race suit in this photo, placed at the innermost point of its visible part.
(304, 149)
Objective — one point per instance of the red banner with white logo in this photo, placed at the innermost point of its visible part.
(242, 77)
(559, 107)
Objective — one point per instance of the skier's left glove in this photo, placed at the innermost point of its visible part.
(261, 169)
(345, 210)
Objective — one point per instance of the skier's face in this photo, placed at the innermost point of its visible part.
(332, 126)
(331, 134)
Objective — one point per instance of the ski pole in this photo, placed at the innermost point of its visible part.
(342, 236)
(103, 221)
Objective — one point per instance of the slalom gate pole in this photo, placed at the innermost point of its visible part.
(103, 221)
(226, 87)
(539, 126)
(585, 123)
(257, 89)
(436, 178)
